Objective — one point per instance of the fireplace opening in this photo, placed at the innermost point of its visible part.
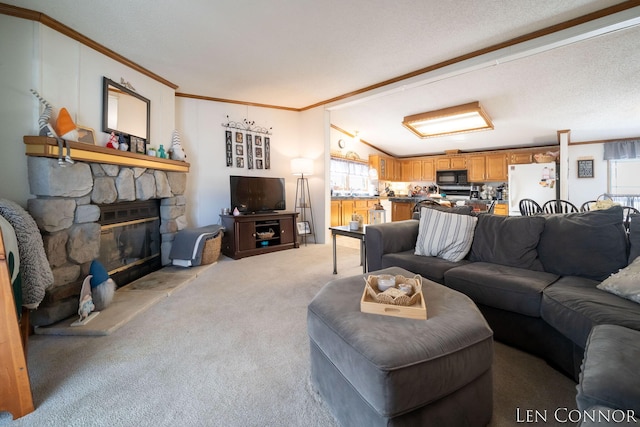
(130, 239)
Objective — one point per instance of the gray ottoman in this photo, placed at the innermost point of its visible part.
(375, 370)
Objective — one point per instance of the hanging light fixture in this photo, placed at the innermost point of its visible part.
(448, 121)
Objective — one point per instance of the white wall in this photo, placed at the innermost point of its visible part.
(18, 116)
(68, 74)
(203, 138)
(585, 189)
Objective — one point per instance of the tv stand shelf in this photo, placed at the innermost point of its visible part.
(241, 237)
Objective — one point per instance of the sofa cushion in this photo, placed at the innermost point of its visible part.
(512, 289)
(431, 268)
(445, 235)
(609, 375)
(508, 240)
(573, 305)
(634, 237)
(588, 244)
(625, 283)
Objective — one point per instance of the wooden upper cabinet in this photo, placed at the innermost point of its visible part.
(428, 170)
(520, 158)
(411, 170)
(476, 168)
(451, 163)
(496, 167)
(490, 167)
(443, 163)
(458, 163)
(384, 166)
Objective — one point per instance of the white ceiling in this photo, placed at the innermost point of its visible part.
(297, 53)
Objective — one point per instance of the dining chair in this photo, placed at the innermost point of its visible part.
(559, 206)
(586, 206)
(425, 203)
(627, 211)
(529, 207)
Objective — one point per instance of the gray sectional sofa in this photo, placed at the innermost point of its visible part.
(534, 278)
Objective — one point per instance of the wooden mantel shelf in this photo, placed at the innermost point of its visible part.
(43, 146)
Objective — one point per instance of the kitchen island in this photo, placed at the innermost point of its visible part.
(402, 206)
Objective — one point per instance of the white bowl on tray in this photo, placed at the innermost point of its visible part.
(386, 281)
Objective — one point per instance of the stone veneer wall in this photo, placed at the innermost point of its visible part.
(66, 211)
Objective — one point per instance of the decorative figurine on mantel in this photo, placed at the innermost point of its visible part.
(161, 153)
(176, 151)
(122, 143)
(113, 141)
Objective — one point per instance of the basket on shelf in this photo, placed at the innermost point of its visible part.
(266, 234)
(211, 249)
(548, 157)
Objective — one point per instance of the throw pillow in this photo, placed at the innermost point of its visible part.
(587, 244)
(508, 240)
(625, 283)
(445, 235)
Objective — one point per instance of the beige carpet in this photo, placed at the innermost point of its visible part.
(230, 349)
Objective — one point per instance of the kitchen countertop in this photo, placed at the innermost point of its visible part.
(355, 197)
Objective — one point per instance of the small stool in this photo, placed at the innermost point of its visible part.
(389, 371)
(377, 216)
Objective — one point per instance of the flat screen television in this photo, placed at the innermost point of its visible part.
(256, 194)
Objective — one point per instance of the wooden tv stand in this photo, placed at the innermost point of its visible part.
(241, 239)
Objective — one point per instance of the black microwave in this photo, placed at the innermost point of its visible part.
(451, 177)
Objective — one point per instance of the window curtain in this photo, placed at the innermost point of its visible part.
(351, 168)
(628, 149)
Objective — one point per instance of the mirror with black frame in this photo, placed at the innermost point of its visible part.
(124, 111)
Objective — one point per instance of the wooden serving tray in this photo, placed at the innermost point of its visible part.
(415, 311)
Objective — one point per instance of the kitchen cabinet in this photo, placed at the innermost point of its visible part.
(336, 213)
(487, 168)
(428, 170)
(520, 158)
(451, 163)
(475, 168)
(496, 167)
(401, 210)
(411, 170)
(362, 207)
(342, 210)
(388, 168)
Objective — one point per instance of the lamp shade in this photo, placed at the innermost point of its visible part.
(301, 166)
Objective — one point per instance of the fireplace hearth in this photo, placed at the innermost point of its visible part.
(124, 216)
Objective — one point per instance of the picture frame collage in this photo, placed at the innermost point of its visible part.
(247, 149)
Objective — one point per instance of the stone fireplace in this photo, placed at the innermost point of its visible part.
(125, 216)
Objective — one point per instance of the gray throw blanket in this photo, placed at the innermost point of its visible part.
(186, 249)
(34, 266)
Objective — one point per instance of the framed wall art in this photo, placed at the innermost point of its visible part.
(86, 135)
(228, 148)
(303, 227)
(249, 152)
(585, 168)
(138, 145)
(267, 152)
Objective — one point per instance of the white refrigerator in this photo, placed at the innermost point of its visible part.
(537, 181)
